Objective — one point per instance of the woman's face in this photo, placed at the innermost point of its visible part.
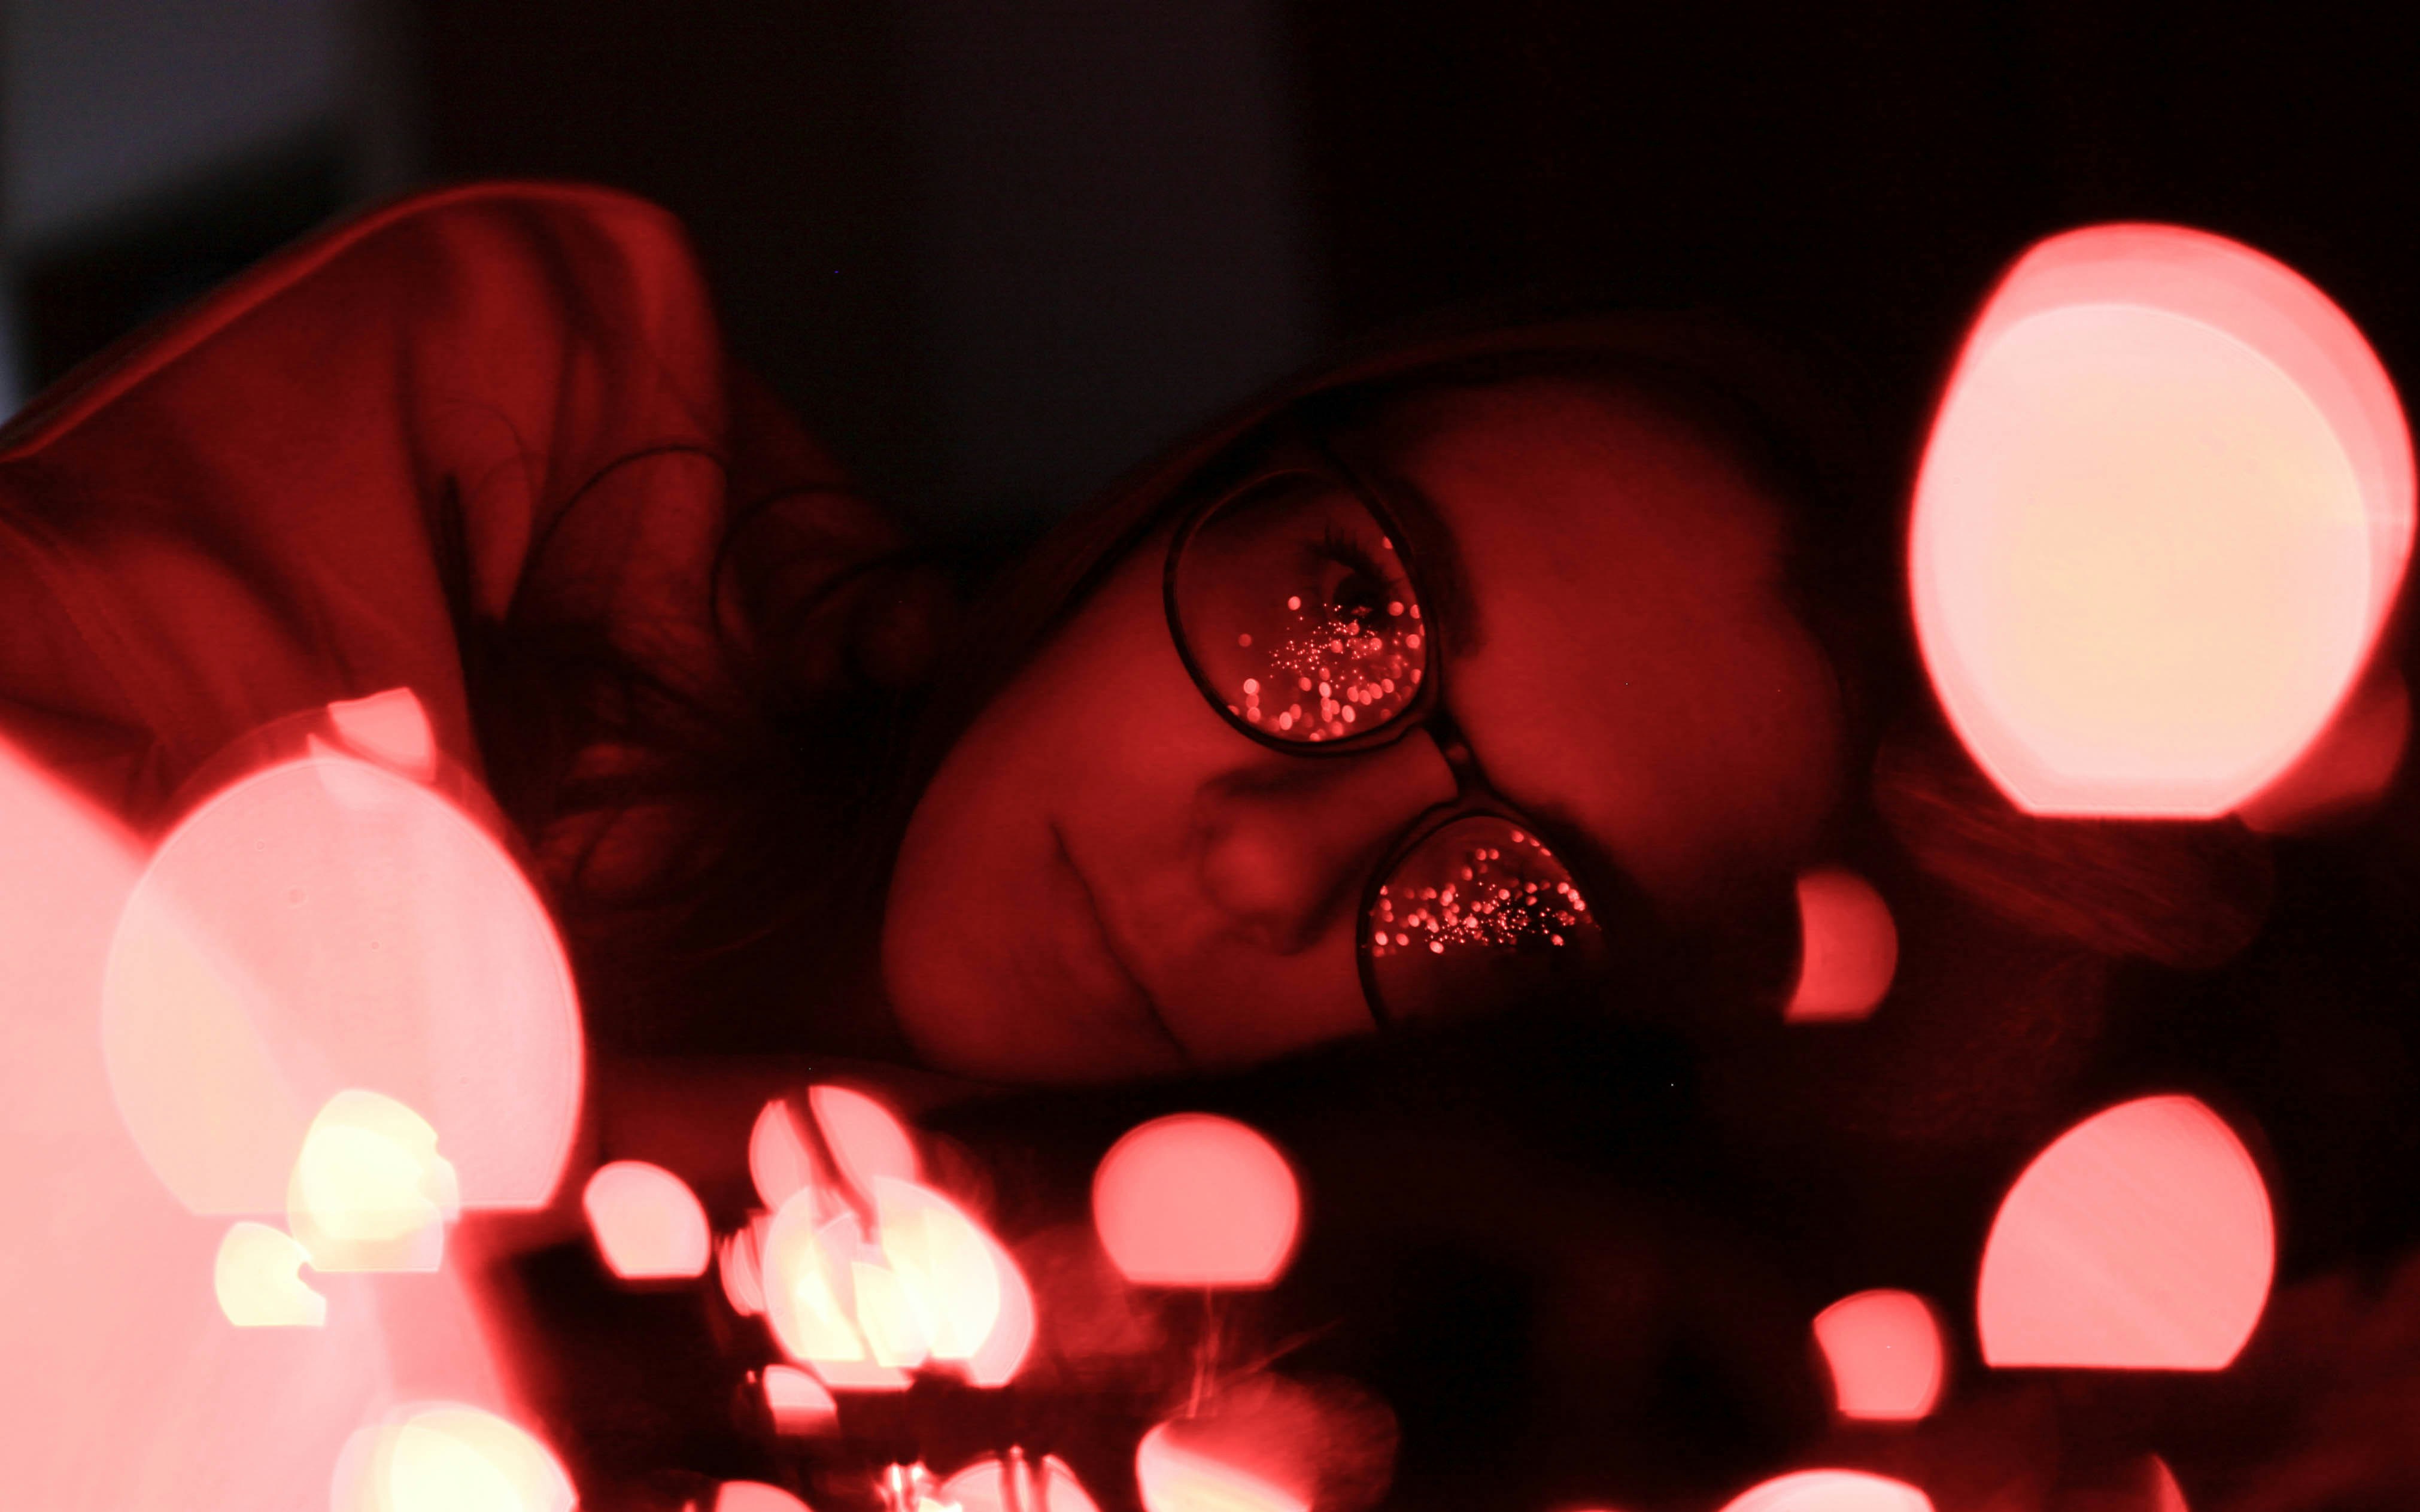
(1106, 880)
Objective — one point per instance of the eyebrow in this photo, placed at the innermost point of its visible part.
(1434, 556)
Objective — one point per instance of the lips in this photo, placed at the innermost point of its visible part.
(1144, 1013)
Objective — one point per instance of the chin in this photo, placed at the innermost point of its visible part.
(976, 1014)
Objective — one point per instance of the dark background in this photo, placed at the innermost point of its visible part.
(997, 252)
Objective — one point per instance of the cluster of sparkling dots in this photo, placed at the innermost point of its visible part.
(1484, 904)
(1330, 672)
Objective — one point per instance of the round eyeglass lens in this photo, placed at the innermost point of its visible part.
(1297, 612)
(1475, 917)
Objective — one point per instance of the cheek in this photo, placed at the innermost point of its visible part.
(1693, 742)
(1084, 753)
(993, 811)
(1105, 719)
(982, 953)
(1090, 715)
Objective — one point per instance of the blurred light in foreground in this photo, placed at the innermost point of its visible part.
(1831, 1491)
(2166, 1495)
(1017, 1486)
(779, 1162)
(890, 1318)
(863, 1374)
(798, 1402)
(933, 1284)
(258, 1279)
(325, 921)
(647, 1223)
(2163, 512)
(2348, 767)
(810, 1279)
(1263, 1440)
(369, 1191)
(755, 1496)
(997, 1360)
(910, 1488)
(1174, 1477)
(736, 1262)
(2140, 1240)
(805, 1277)
(1848, 948)
(1192, 1200)
(133, 1391)
(1884, 1350)
(865, 1140)
(2141, 1483)
(390, 729)
(943, 1266)
(447, 1457)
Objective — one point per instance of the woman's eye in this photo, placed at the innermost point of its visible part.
(1350, 584)
(1298, 616)
(1351, 594)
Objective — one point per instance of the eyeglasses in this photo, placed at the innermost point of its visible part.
(1295, 607)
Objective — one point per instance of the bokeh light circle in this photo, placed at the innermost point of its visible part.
(2142, 1238)
(324, 924)
(1884, 1353)
(1196, 1200)
(2165, 506)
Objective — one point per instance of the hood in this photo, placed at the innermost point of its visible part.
(1785, 405)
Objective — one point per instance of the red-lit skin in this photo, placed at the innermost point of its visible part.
(1106, 880)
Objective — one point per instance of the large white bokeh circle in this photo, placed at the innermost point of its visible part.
(2162, 511)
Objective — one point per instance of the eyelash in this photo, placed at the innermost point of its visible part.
(1339, 549)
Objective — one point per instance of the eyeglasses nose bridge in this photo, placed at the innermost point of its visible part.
(1323, 826)
(1454, 749)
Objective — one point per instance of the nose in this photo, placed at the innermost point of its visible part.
(1285, 846)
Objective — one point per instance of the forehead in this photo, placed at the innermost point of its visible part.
(1626, 662)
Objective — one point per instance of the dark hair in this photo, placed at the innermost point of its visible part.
(702, 875)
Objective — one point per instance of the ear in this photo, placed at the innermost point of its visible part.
(2163, 514)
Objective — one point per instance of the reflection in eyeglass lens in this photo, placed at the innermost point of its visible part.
(1478, 917)
(1299, 614)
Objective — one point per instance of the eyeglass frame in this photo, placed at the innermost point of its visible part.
(1308, 454)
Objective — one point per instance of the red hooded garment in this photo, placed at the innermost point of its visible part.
(476, 422)
(479, 444)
